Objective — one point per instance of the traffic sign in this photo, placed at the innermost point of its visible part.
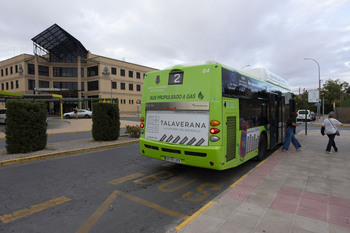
(318, 103)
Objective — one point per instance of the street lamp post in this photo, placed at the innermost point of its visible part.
(319, 85)
(111, 88)
(244, 66)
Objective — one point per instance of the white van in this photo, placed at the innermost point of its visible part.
(3, 116)
(301, 115)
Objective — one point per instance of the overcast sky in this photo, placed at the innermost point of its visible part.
(275, 34)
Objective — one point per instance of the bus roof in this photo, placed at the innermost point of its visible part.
(267, 76)
(259, 73)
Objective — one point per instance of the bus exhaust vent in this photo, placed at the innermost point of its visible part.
(231, 138)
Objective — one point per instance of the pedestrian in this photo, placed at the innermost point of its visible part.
(289, 136)
(331, 130)
(76, 112)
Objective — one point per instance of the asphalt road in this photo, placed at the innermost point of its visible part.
(115, 190)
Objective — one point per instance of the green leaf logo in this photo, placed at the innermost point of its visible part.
(200, 95)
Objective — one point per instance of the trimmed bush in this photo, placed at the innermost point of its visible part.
(25, 127)
(105, 121)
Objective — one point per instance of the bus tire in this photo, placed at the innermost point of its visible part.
(262, 149)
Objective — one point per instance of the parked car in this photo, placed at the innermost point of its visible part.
(3, 116)
(82, 113)
(301, 115)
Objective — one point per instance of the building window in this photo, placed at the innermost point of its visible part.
(122, 86)
(11, 84)
(67, 85)
(82, 86)
(92, 86)
(2, 72)
(11, 70)
(131, 74)
(7, 85)
(114, 85)
(44, 70)
(31, 84)
(92, 71)
(2, 86)
(138, 75)
(138, 87)
(131, 101)
(131, 87)
(44, 84)
(122, 72)
(31, 69)
(65, 72)
(6, 71)
(17, 84)
(16, 68)
(114, 70)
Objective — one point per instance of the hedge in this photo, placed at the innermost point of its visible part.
(105, 121)
(25, 126)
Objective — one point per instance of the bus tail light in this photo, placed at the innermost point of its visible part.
(214, 131)
(142, 125)
(214, 123)
(142, 119)
(214, 138)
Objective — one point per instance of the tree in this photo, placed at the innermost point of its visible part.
(333, 91)
(302, 102)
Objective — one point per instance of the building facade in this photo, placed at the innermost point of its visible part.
(77, 77)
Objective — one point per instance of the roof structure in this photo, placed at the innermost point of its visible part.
(59, 44)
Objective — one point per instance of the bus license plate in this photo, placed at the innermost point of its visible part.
(171, 159)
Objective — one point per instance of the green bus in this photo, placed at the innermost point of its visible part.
(212, 116)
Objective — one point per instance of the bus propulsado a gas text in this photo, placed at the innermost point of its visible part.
(212, 116)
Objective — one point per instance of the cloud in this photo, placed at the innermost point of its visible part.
(157, 33)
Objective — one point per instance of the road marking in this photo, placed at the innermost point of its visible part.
(193, 216)
(126, 178)
(33, 209)
(154, 206)
(162, 186)
(201, 189)
(108, 202)
(98, 213)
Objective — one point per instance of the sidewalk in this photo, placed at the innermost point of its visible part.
(59, 126)
(294, 191)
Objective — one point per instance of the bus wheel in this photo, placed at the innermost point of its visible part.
(262, 148)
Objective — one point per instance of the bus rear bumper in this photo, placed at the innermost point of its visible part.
(199, 156)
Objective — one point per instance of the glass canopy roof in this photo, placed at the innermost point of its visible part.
(59, 45)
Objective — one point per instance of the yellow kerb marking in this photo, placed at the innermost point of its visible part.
(239, 180)
(195, 215)
(33, 209)
(260, 163)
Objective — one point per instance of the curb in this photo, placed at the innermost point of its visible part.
(63, 153)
